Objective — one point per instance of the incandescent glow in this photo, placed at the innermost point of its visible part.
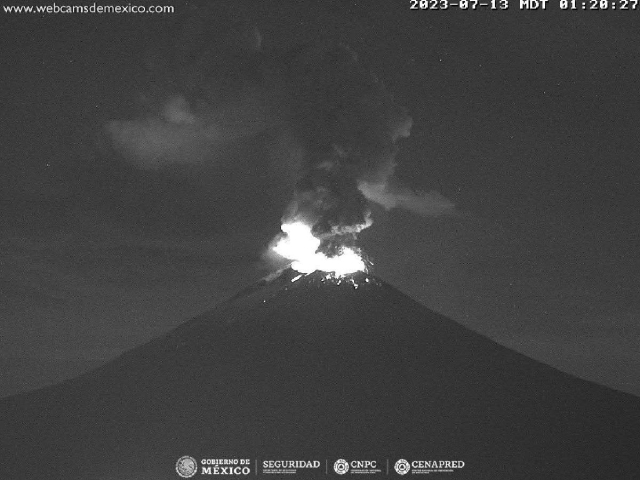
(301, 246)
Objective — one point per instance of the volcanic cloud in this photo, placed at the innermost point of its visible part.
(333, 129)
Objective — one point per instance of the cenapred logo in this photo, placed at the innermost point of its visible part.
(341, 466)
(186, 466)
(402, 466)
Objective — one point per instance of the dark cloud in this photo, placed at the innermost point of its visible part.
(349, 125)
(326, 123)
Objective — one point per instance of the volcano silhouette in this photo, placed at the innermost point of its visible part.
(316, 368)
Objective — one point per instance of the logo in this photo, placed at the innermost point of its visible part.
(402, 466)
(280, 467)
(358, 467)
(341, 466)
(225, 466)
(186, 466)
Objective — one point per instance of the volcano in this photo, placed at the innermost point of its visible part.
(317, 367)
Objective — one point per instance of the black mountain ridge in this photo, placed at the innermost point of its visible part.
(319, 368)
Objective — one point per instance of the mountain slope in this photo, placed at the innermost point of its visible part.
(312, 368)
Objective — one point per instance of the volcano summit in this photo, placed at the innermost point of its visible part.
(314, 366)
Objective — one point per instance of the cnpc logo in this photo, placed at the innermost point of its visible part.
(341, 466)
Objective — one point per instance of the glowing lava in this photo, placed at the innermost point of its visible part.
(301, 246)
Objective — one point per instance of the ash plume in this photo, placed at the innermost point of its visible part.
(349, 127)
(331, 128)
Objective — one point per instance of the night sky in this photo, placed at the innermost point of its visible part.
(526, 121)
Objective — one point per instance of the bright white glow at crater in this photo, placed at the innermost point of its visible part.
(300, 246)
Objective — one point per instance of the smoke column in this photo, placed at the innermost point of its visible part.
(331, 126)
(349, 127)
